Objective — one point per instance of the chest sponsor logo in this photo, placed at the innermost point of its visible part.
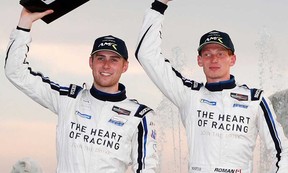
(240, 106)
(212, 103)
(121, 111)
(223, 122)
(117, 121)
(84, 134)
(83, 115)
(240, 97)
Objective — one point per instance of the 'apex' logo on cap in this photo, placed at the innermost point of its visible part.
(216, 37)
(108, 44)
(219, 39)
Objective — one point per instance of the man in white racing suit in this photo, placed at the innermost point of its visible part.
(99, 130)
(222, 119)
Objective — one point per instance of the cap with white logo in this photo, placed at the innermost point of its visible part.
(217, 37)
(110, 43)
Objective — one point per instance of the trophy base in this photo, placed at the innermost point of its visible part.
(60, 7)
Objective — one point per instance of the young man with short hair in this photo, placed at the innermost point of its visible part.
(99, 129)
(222, 119)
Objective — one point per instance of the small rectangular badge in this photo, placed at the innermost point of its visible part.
(240, 97)
(60, 7)
(121, 111)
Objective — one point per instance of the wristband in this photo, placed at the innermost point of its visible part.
(23, 29)
(159, 6)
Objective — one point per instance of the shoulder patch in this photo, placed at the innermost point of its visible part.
(195, 85)
(255, 94)
(142, 111)
(74, 90)
(187, 82)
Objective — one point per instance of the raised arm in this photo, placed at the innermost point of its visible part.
(271, 133)
(149, 54)
(41, 89)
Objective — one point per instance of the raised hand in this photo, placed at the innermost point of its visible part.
(27, 17)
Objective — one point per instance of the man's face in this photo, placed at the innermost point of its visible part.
(107, 68)
(216, 62)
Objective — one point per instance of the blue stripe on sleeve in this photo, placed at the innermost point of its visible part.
(272, 129)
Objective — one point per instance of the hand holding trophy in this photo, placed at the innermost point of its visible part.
(60, 7)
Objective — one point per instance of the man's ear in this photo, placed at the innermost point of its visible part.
(199, 61)
(125, 66)
(233, 60)
(90, 61)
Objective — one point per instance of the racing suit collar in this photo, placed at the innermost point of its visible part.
(219, 86)
(121, 95)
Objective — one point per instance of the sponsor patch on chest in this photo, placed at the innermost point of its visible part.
(120, 111)
(118, 121)
(240, 106)
(239, 97)
(83, 115)
(212, 103)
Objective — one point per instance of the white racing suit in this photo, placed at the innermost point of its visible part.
(96, 132)
(222, 120)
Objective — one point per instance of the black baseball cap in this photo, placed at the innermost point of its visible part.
(110, 43)
(217, 37)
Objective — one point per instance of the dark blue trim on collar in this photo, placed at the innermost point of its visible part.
(219, 86)
(109, 97)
